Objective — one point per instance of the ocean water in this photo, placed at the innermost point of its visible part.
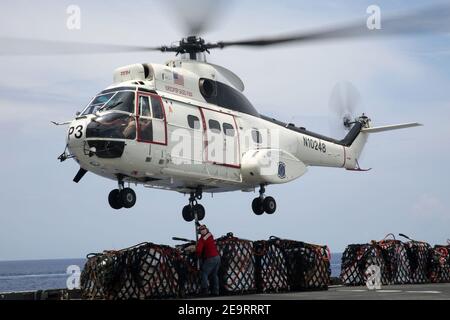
(335, 264)
(32, 275)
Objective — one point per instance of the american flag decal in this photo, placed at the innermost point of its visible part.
(178, 79)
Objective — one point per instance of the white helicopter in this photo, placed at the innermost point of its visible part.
(186, 126)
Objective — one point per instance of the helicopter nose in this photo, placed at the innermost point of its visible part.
(76, 135)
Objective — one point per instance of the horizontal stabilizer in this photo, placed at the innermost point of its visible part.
(390, 128)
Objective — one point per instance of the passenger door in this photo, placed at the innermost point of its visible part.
(151, 119)
(221, 139)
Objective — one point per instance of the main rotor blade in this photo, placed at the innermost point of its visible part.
(197, 16)
(20, 46)
(428, 20)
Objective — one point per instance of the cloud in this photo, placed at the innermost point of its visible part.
(430, 206)
(434, 53)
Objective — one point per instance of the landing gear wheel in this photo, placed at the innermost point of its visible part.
(257, 206)
(194, 209)
(115, 200)
(200, 211)
(128, 197)
(270, 205)
(188, 214)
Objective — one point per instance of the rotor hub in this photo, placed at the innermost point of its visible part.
(191, 45)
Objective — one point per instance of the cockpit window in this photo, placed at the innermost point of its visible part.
(112, 125)
(118, 101)
(98, 102)
(122, 101)
(102, 99)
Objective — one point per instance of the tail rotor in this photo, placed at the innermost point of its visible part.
(344, 105)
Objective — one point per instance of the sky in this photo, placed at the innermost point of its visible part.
(44, 215)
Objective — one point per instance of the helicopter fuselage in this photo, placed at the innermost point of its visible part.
(186, 125)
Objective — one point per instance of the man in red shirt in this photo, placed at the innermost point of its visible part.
(207, 250)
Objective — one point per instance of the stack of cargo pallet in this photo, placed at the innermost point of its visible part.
(410, 262)
(237, 265)
(292, 265)
(150, 271)
(271, 267)
(141, 272)
(440, 263)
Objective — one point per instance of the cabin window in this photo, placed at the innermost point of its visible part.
(214, 126)
(256, 136)
(157, 108)
(144, 106)
(145, 126)
(193, 122)
(228, 129)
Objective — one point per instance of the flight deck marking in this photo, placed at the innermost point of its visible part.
(418, 291)
(391, 291)
(354, 290)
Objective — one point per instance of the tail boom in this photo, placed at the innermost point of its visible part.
(353, 152)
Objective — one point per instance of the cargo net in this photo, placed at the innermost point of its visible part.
(397, 262)
(356, 259)
(237, 268)
(419, 257)
(150, 271)
(145, 271)
(308, 265)
(440, 264)
(190, 279)
(100, 275)
(271, 267)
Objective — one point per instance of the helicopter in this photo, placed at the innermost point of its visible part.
(186, 125)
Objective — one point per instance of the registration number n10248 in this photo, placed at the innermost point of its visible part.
(315, 144)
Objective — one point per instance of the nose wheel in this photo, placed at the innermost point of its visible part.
(263, 204)
(194, 209)
(122, 197)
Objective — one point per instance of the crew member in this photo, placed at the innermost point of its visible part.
(207, 250)
(130, 130)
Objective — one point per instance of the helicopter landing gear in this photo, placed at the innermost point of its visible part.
(194, 209)
(270, 205)
(128, 198)
(263, 204)
(122, 197)
(114, 199)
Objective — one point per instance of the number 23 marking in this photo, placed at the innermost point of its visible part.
(78, 131)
